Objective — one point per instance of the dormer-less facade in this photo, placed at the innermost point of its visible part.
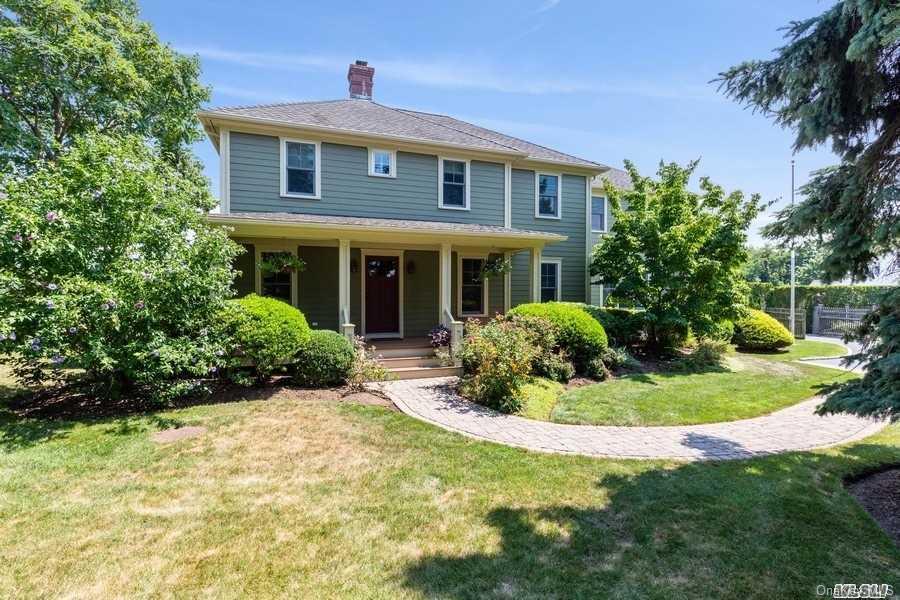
(395, 213)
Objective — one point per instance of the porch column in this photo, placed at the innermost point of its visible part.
(507, 284)
(445, 283)
(536, 274)
(347, 328)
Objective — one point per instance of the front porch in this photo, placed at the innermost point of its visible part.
(380, 278)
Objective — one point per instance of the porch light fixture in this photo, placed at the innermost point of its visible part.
(410, 268)
(354, 266)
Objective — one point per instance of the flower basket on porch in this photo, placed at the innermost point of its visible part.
(494, 267)
(281, 262)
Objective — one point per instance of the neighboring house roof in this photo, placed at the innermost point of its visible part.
(396, 225)
(619, 178)
(368, 117)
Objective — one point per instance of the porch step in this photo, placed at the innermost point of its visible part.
(388, 352)
(411, 361)
(425, 372)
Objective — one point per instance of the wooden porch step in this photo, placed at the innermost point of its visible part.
(425, 372)
(390, 352)
(410, 361)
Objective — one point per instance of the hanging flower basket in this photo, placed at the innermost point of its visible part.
(494, 267)
(281, 262)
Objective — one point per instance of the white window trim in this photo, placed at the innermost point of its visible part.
(401, 265)
(558, 263)
(484, 287)
(537, 195)
(605, 215)
(282, 142)
(263, 248)
(392, 153)
(440, 178)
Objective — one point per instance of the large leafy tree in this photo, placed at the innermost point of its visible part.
(772, 264)
(677, 253)
(109, 270)
(837, 81)
(71, 67)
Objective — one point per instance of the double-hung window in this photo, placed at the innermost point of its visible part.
(382, 163)
(547, 196)
(598, 214)
(551, 271)
(472, 288)
(300, 169)
(275, 284)
(453, 178)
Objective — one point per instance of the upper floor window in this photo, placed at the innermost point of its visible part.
(301, 175)
(453, 191)
(550, 277)
(382, 163)
(598, 214)
(547, 196)
(472, 288)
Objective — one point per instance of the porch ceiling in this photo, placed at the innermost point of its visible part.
(365, 229)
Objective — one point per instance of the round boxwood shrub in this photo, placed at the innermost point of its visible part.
(755, 330)
(265, 333)
(623, 326)
(580, 335)
(325, 359)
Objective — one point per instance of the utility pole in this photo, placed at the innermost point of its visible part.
(793, 259)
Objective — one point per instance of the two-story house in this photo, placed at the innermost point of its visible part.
(395, 212)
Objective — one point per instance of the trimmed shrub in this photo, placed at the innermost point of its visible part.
(578, 334)
(496, 360)
(264, 332)
(617, 358)
(756, 330)
(623, 326)
(550, 361)
(708, 354)
(325, 359)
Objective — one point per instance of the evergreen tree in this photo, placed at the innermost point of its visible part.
(837, 80)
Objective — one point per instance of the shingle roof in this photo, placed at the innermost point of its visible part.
(367, 117)
(619, 178)
(405, 225)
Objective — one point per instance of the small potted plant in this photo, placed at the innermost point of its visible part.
(494, 267)
(440, 341)
(281, 262)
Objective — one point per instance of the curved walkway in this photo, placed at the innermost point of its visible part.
(794, 428)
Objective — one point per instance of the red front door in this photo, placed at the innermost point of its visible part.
(382, 295)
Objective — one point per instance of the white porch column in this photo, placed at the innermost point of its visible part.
(347, 328)
(536, 274)
(445, 282)
(507, 284)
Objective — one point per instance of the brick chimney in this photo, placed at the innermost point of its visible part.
(360, 76)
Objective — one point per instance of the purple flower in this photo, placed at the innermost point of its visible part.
(139, 304)
(50, 304)
(57, 359)
(2, 336)
(220, 353)
(12, 335)
(51, 216)
(52, 286)
(31, 237)
(36, 344)
(105, 306)
(17, 237)
(213, 369)
(73, 329)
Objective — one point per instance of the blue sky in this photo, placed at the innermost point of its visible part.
(602, 80)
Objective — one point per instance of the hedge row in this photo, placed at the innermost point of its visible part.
(832, 295)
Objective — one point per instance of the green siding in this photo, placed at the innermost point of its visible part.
(420, 292)
(317, 295)
(244, 282)
(572, 224)
(348, 190)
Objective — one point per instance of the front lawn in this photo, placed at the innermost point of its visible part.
(302, 498)
(748, 385)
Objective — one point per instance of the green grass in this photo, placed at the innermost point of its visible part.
(749, 385)
(540, 397)
(805, 349)
(287, 498)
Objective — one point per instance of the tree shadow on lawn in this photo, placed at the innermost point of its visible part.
(770, 527)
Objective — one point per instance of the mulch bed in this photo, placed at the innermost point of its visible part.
(879, 494)
(67, 402)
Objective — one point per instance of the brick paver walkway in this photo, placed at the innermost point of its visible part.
(793, 428)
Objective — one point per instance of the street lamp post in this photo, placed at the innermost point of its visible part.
(793, 259)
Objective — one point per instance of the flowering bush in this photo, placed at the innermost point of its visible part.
(365, 367)
(440, 336)
(579, 335)
(549, 361)
(497, 360)
(107, 266)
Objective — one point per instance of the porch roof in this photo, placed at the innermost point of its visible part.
(282, 224)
